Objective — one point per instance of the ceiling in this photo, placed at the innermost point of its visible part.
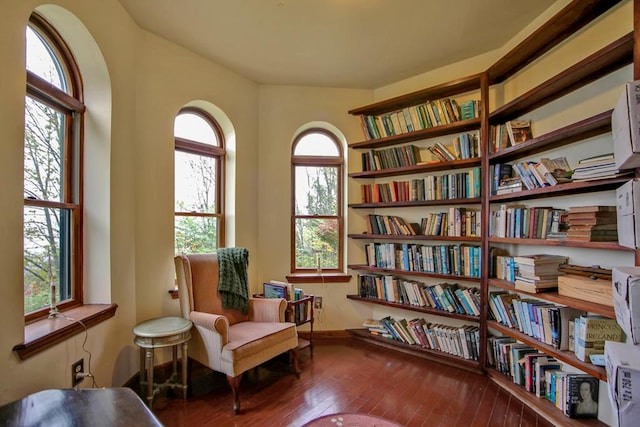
(335, 43)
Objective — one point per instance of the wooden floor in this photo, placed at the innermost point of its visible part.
(350, 376)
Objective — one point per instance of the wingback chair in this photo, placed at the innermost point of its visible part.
(226, 340)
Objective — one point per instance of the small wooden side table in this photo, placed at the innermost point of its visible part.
(301, 312)
(159, 333)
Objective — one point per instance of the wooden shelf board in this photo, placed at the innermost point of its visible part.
(411, 238)
(426, 310)
(406, 204)
(363, 267)
(438, 356)
(569, 20)
(563, 189)
(583, 129)
(411, 170)
(610, 246)
(588, 306)
(564, 356)
(608, 59)
(454, 87)
(448, 129)
(539, 404)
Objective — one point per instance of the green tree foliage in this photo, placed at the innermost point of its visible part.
(318, 237)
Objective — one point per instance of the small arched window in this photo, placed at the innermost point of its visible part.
(199, 177)
(53, 174)
(317, 221)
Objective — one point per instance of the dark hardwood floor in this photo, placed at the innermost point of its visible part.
(349, 376)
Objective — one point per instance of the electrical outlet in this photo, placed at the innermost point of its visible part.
(77, 368)
(317, 303)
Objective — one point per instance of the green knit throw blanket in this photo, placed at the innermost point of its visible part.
(232, 278)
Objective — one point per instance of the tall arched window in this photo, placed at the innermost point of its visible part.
(53, 173)
(317, 223)
(199, 177)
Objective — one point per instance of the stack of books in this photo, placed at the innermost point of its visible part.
(537, 273)
(591, 332)
(593, 224)
(597, 167)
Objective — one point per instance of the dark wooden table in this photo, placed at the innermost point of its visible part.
(83, 407)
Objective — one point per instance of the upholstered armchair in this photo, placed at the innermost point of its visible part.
(226, 340)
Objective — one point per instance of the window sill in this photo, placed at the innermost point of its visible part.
(319, 278)
(45, 333)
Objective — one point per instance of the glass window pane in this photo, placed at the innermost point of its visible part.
(316, 190)
(43, 151)
(47, 249)
(194, 128)
(195, 183)
(42, 61)
(317, 243)
(196, 234)
(316, 144)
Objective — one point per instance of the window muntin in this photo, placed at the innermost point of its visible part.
(52, 234)
(199, 159)
(317, 220)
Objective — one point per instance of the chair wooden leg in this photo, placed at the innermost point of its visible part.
(234, 382)
(293, 356)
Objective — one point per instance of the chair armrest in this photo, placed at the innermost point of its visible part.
(213, 322)
(267, 309)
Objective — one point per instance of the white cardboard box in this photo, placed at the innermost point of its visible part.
(626, 300)
(628, 213)
(623, 379)
(625, 127)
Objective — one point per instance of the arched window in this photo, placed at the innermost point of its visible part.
(52, 174)
(199, 177)
(317, 222)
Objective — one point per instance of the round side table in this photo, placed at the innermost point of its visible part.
(159, 333)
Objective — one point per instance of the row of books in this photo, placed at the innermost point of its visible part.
(463, 146)
(529, 174)
(510, 133)
(564, 328)
(391, 225)
(422, 116)
(460, 222)
(459, 341)
(546, 322)
(390, 158)
(461, 185)
(519, 221)
(458, 260)
(449, 297)
(575, 394)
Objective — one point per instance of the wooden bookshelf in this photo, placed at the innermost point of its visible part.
(564, 356)
(425, 310)
(419, 237)
(539, 404)
(591, 307)
(423, 168)
(594, 66)
(603, 62)
(362, 267)
(581, 130)
(417, 203)
(569, 188)
(448, 129)
(610, 246)
(438, 356)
